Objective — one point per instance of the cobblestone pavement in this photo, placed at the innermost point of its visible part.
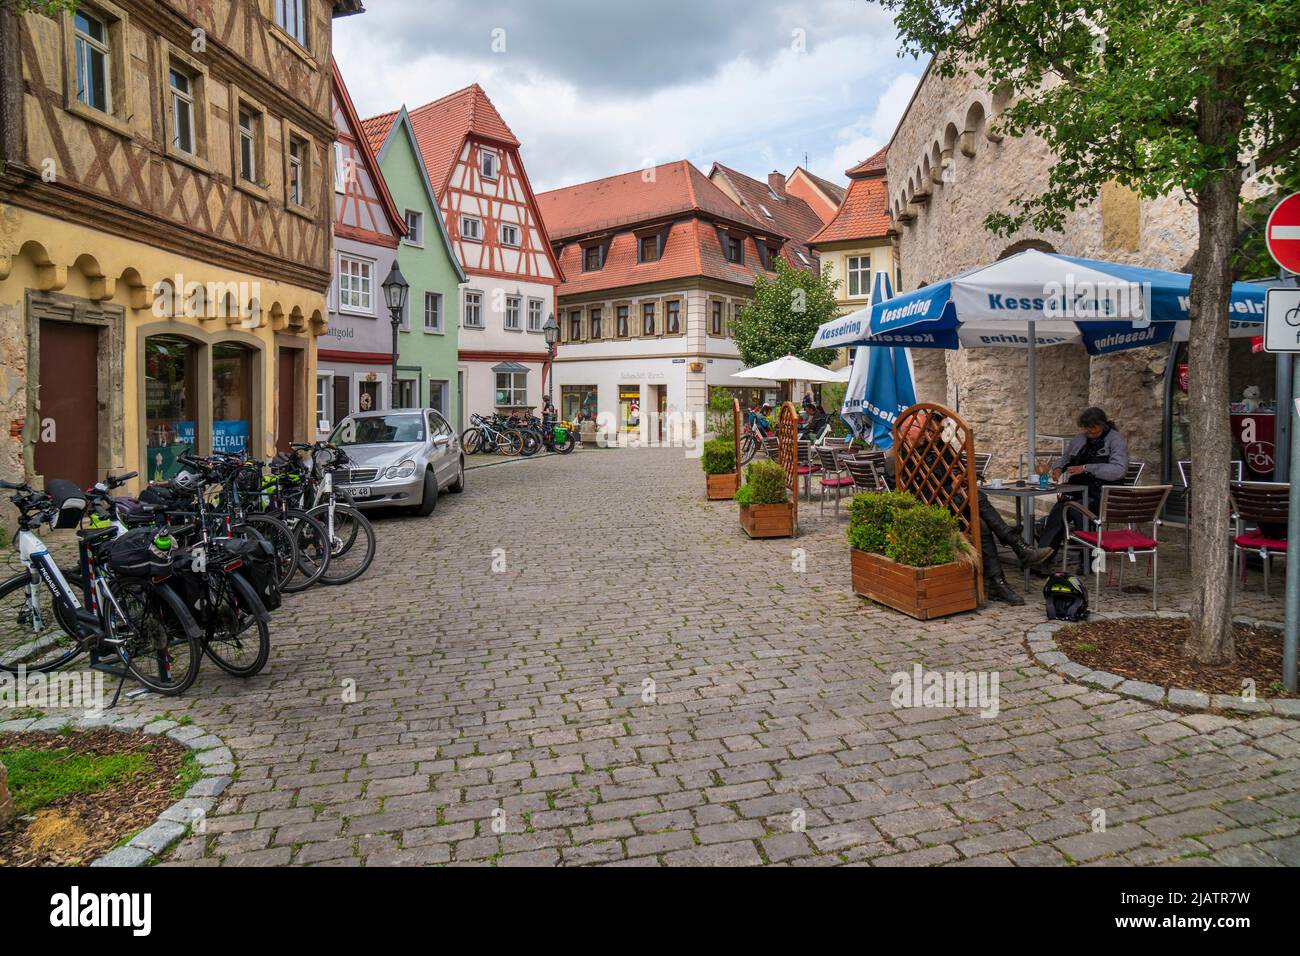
(507, 717)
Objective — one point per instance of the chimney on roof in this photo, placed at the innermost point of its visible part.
(776, 182)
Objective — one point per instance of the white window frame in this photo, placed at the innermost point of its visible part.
(535, 313)
(182, 105)
(291, 17)
(518, 236)
(84, 47)
(296, 186)
(445, 410)
(485, 154)
(340, 169)
(465, 309)
(859, 272)
(414, 382)
(515, 304)
(516, 390)
(418, 240)
(324, 414)
(478, 228)
(365, 297)
(436, 299)
(385, 393)
(247, 135)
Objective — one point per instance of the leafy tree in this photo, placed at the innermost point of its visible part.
(784, 316)
(39, 6)
(1161, 96)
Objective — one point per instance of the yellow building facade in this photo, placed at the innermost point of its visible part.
(165, 231)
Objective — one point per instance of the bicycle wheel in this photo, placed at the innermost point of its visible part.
(471, 441)
(509, 444)
(748, 448)
(313, 550)
(352, 543)
(159, 638)
(282, 539)
(532, 442)
(235, 632)
(24, 644)
(566, 446)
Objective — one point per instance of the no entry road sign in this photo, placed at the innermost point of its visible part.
(1283, 233)
(1282, 320)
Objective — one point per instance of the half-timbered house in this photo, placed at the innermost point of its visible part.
(354, 373)
(499, 238)
(164, 229)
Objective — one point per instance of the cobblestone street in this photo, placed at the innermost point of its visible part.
(509, 717)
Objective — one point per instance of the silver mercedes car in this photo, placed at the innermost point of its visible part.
(399, 458)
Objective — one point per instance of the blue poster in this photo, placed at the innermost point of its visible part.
(230, 436)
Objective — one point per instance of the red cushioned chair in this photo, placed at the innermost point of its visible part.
(1258, 503)
(832, 476)
(1123, 513)
(806, 466)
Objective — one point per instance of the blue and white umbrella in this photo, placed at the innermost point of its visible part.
(880, 386)
(1038, 298)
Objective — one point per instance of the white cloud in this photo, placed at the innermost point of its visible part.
(755, 110)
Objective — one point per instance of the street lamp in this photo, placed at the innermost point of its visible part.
(550, 332)
(395, 289)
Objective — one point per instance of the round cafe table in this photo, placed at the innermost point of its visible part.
(1025, 497)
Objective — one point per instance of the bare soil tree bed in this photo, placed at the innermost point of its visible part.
(1150, 649)
(81, 794)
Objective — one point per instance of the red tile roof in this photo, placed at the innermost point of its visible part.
(672, 189)
(833, 191)
(790, 215)
(875, 163)
(692, 249)
(441, 127)
(864, 214)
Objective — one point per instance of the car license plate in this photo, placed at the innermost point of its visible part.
(357, 491)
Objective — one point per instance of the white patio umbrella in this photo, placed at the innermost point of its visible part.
(790, 369)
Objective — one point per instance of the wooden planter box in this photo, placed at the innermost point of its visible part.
(767, 521)
(923, 593)
(722, 487)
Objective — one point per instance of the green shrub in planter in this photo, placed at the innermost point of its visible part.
(870, 515)
(922, 536)
(764, 485)
(719, 457)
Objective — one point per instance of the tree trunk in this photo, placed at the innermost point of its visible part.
(1210, 636)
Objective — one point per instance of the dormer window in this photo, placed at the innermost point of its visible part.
(734, 249)
(648, 250)
(593, 255)
(766, 212)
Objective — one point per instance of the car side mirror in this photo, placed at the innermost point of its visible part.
(442, 439)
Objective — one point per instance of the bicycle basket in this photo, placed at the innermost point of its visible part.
(561, 433)
(135, 555)
(71, 502)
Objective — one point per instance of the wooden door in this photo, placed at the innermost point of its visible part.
(67, 442)
(342, 400)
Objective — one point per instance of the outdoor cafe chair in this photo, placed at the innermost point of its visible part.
(772, 447)
(982, 459)
(832, 476)
(1123, 512)
(877, 459)
(1185, 473)
(1133, 474)
(1257, 502)
(806, 465)
(864, 474)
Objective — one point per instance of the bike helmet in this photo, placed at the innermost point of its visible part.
(185, 481)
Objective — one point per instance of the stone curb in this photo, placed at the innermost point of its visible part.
(1041, 644)
(216, 764)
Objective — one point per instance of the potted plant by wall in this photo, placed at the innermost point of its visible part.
(910, 556)
(765, 509)
(719, 463)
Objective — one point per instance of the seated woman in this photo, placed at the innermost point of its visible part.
(1096, 457)
(993, 529)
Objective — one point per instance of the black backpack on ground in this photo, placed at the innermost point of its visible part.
(1066, 597)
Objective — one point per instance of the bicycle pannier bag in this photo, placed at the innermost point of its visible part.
(71, 501)
(136, 555)
(1066, 597)
(258, 568)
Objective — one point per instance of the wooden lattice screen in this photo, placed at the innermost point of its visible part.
(735, 434)
(787, 433)
(935, 461)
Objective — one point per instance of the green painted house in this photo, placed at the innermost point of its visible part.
(428, 341)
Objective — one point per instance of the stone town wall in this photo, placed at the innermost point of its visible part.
(949, 168)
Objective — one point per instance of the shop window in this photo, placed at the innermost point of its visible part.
(171, 376)
(232, 397)
(578, 402)
(512, 389)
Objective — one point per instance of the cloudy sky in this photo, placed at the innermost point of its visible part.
(597, 87)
